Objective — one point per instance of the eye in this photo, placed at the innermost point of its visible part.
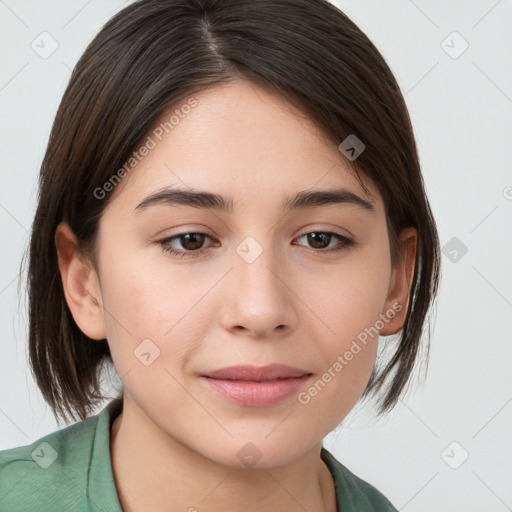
(320, 240)
(191, 243)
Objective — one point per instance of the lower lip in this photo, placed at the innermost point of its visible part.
(256, 394)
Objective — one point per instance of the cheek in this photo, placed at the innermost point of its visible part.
(348, 305)
(350, 296)
(347, 341)
(146, 299)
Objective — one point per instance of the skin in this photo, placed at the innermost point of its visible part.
(176, 442)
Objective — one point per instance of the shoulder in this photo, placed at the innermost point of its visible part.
(354, 493)
(41, 475)
(50, 474)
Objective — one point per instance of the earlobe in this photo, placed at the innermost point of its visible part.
(80, 284)
(396, 305)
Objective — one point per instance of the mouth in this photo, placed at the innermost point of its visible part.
(251, 386)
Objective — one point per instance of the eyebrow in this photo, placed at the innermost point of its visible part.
(209, 201)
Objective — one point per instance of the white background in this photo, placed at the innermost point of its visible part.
(461, 109)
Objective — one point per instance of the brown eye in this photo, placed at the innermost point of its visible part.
(320, 240)
(190, 243)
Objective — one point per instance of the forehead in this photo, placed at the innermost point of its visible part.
(241, 141)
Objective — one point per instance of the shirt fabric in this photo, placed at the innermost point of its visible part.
(70, 470)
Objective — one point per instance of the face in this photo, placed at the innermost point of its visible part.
(254, 284)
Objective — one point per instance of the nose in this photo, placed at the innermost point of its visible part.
(261, 300)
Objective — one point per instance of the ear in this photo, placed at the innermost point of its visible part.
(81, 285)
(400, 284)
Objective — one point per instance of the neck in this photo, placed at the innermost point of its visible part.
(162, 475)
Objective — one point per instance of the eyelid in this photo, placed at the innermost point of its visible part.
(331, 230)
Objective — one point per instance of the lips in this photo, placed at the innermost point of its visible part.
(256, 373)
(253, 386)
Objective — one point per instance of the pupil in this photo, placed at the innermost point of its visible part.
(189, 237)
(313, 239)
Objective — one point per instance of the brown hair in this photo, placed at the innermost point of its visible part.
(152, 55)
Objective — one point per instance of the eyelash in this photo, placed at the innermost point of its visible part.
(347, 243)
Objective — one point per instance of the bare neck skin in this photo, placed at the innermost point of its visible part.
(155, 472)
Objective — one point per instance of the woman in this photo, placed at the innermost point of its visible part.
(231, 212)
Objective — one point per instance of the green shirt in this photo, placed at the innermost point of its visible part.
(70, 470)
